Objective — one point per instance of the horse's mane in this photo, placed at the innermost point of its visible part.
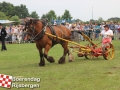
(35, 21)
(43, 21)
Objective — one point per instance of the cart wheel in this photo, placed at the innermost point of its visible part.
(89, 55)
(109, 52)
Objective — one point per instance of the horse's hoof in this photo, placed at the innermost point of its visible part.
(51, 59)
(62, 60)
(41, 64)
(70, 58)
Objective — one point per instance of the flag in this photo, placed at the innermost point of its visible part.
(5, 81)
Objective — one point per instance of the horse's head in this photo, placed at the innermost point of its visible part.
(33, 27)
(28, 28)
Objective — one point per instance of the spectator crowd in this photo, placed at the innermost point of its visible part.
(16, 34)
(92, 30)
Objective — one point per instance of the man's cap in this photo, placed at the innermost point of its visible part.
(106, 25)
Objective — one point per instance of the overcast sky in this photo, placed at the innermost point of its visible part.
(81, 9)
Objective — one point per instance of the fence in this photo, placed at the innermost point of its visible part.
(89, 32)
(62, 21)
(75, 36)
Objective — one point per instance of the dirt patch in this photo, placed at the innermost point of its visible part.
(108, 73)
(115, 68)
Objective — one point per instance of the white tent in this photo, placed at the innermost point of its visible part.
(6, 21)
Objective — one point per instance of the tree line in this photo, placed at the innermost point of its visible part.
(21, 11)
(10, 12)
(52, 16)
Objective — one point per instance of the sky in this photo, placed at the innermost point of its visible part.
(79, 9)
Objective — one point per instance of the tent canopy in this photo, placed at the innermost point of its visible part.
(6, 21)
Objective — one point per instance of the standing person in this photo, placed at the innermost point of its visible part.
(107, 36)
(7, 36)
(16, 31)
(86, 28)
(63, 22)
(81, 28)
(55, 23)
(90, 34)
(102, 26)
(10, 35)
(97, 31)
(119, 30)
(67, 25)
(116, 31)
(13, 36)
(112, 27)
(2, 37)
(19, 36)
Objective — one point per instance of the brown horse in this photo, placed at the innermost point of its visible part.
(37, 28)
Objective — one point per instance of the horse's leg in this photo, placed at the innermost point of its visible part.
(42, 61)
(62, 59)
(49, 58)
(70, 56)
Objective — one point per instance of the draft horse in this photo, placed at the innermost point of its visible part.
(36, 29)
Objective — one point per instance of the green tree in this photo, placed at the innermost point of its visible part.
(59, 17)
(78, 20)
(114, 19)
(34, 15)
(11, 10)
(3, 16)
(7, 8)
(43, 16)
(100, 19)
(15, 18)
(66, 15)
(92, 20)
(21, 11)
(51, 15)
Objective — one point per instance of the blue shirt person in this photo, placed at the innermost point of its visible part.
(97, 31)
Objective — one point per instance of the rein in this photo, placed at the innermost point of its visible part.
(40, 34)
(43, 30)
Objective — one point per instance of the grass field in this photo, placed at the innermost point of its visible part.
(21, 60)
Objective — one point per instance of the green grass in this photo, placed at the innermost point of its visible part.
(21, 60)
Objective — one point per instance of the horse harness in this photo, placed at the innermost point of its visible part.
(42, 33)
